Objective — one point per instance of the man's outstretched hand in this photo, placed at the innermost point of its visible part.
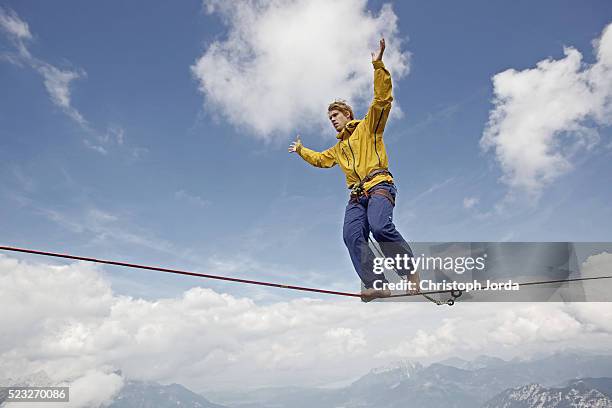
(380, 51)
(295, 146)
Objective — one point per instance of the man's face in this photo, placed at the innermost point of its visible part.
(338, 119)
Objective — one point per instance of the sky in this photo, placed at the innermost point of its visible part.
(157, 133)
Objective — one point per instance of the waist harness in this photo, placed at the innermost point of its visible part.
(357, 191)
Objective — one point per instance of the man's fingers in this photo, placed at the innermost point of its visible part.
(293, 147)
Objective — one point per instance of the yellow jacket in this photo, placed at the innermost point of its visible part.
(360, 148)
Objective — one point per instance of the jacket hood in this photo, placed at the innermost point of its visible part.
(348, 130)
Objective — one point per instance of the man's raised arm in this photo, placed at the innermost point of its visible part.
(324, 159)
(378, 113)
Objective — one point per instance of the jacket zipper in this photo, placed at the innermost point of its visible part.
(375, 131)
(351, 149)
(345, 155)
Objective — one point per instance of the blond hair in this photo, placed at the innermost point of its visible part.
(342, 106)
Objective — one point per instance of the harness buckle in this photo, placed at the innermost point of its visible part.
(358, 190)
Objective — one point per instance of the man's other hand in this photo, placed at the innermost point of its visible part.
(380, 51)
(295, 146)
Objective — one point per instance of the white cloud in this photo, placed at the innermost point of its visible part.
(533, 324)
(596, 266)
(342, 340)
(113, 138)
(95, 147)
(284, 61)
(192, 199)
(494, 328)
(470, 202)
(438, 342)
(13, 25)
(67, 321)
(544, 116)
(46, 287)
(93, 389)
(57, 82)
(596, 316)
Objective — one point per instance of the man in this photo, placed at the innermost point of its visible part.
(360, 152)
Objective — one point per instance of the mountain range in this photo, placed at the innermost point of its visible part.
(454, 383)
(561, 380)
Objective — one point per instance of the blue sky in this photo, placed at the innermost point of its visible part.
(157, 172)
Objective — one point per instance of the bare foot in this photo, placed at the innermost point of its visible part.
(367, 295)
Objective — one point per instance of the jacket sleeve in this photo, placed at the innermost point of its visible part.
(378, 113)
(324, 159)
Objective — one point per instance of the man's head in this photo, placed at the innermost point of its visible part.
(339, 113)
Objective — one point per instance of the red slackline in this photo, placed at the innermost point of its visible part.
(261, 283)
(179, 272)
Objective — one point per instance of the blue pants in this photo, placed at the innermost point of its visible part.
(373, 213)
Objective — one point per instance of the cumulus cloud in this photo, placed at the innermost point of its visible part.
(544, 116)
(594, 315)
(424, 344)
(596, 266)
(68, 322)
(342, 340)
(94, 389)
(543, 323)
(495, 328)
(284, 61)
